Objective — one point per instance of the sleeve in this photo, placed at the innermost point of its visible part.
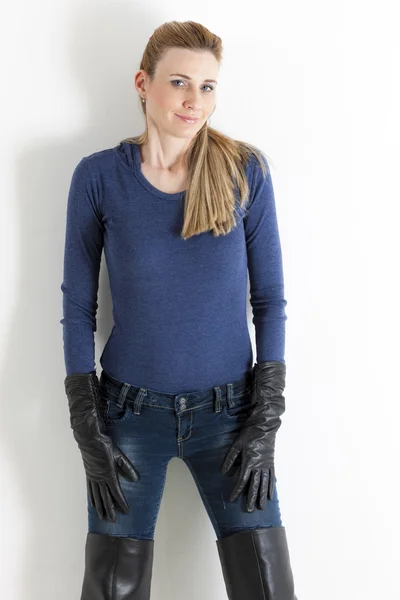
(82, 258)
(264, 260)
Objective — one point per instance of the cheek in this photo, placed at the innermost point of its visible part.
(163, 100)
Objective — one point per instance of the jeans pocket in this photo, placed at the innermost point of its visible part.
(112, 408)
(240, 406)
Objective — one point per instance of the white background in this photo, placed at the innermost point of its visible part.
(315, 84)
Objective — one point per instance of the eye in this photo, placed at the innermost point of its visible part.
(181, 81)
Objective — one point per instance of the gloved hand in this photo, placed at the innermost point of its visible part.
(101, 457)
(256, 439)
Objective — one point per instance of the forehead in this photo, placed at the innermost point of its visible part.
(193, 63)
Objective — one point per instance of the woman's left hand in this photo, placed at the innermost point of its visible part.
(255, 443)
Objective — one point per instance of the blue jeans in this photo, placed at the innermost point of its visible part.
(152, 427)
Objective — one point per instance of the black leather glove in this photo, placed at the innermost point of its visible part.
(101, 457)
(256, 439)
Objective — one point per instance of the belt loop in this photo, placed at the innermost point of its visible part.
(217, 399)
(137, 405)
(229, 394)
(122, 394)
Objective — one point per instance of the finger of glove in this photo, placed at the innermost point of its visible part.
(253, 490)
(118, 496)
(240, 483)
(90, 491)
(229, 459)
(126, 468)
(271, 486)
(98, 500)
(107, 502)
(263, 495)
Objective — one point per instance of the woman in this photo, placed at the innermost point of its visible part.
(183, 212)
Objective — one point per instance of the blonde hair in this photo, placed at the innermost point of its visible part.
(215, 161)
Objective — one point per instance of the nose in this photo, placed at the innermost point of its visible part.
(194, 101)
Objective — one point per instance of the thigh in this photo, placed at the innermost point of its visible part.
(211, 437)
(145, 439)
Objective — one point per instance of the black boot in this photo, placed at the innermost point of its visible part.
(117, 568)
(256, 565)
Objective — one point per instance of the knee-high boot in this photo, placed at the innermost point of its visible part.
(256, 565)
(117, 568)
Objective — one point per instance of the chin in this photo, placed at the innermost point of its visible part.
(188, 134)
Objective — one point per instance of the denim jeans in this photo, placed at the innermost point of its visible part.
(152, 427)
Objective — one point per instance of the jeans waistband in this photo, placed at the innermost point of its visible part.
(220, 394)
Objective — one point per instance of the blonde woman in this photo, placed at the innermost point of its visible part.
(183, 214)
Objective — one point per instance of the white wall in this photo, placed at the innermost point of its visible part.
(315, 85)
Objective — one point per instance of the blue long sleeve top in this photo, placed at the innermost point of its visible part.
(179, 306)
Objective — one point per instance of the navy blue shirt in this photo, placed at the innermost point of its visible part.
(179, 306)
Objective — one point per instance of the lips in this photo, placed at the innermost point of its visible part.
(187, 119)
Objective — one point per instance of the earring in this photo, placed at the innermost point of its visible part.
(143, 100)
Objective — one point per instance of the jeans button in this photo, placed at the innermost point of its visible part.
(182, 402)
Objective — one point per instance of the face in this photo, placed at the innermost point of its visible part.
(182, 86)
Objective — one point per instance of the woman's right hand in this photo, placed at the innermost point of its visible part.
(103, 460)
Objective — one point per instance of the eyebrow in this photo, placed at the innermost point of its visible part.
(187, 77)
